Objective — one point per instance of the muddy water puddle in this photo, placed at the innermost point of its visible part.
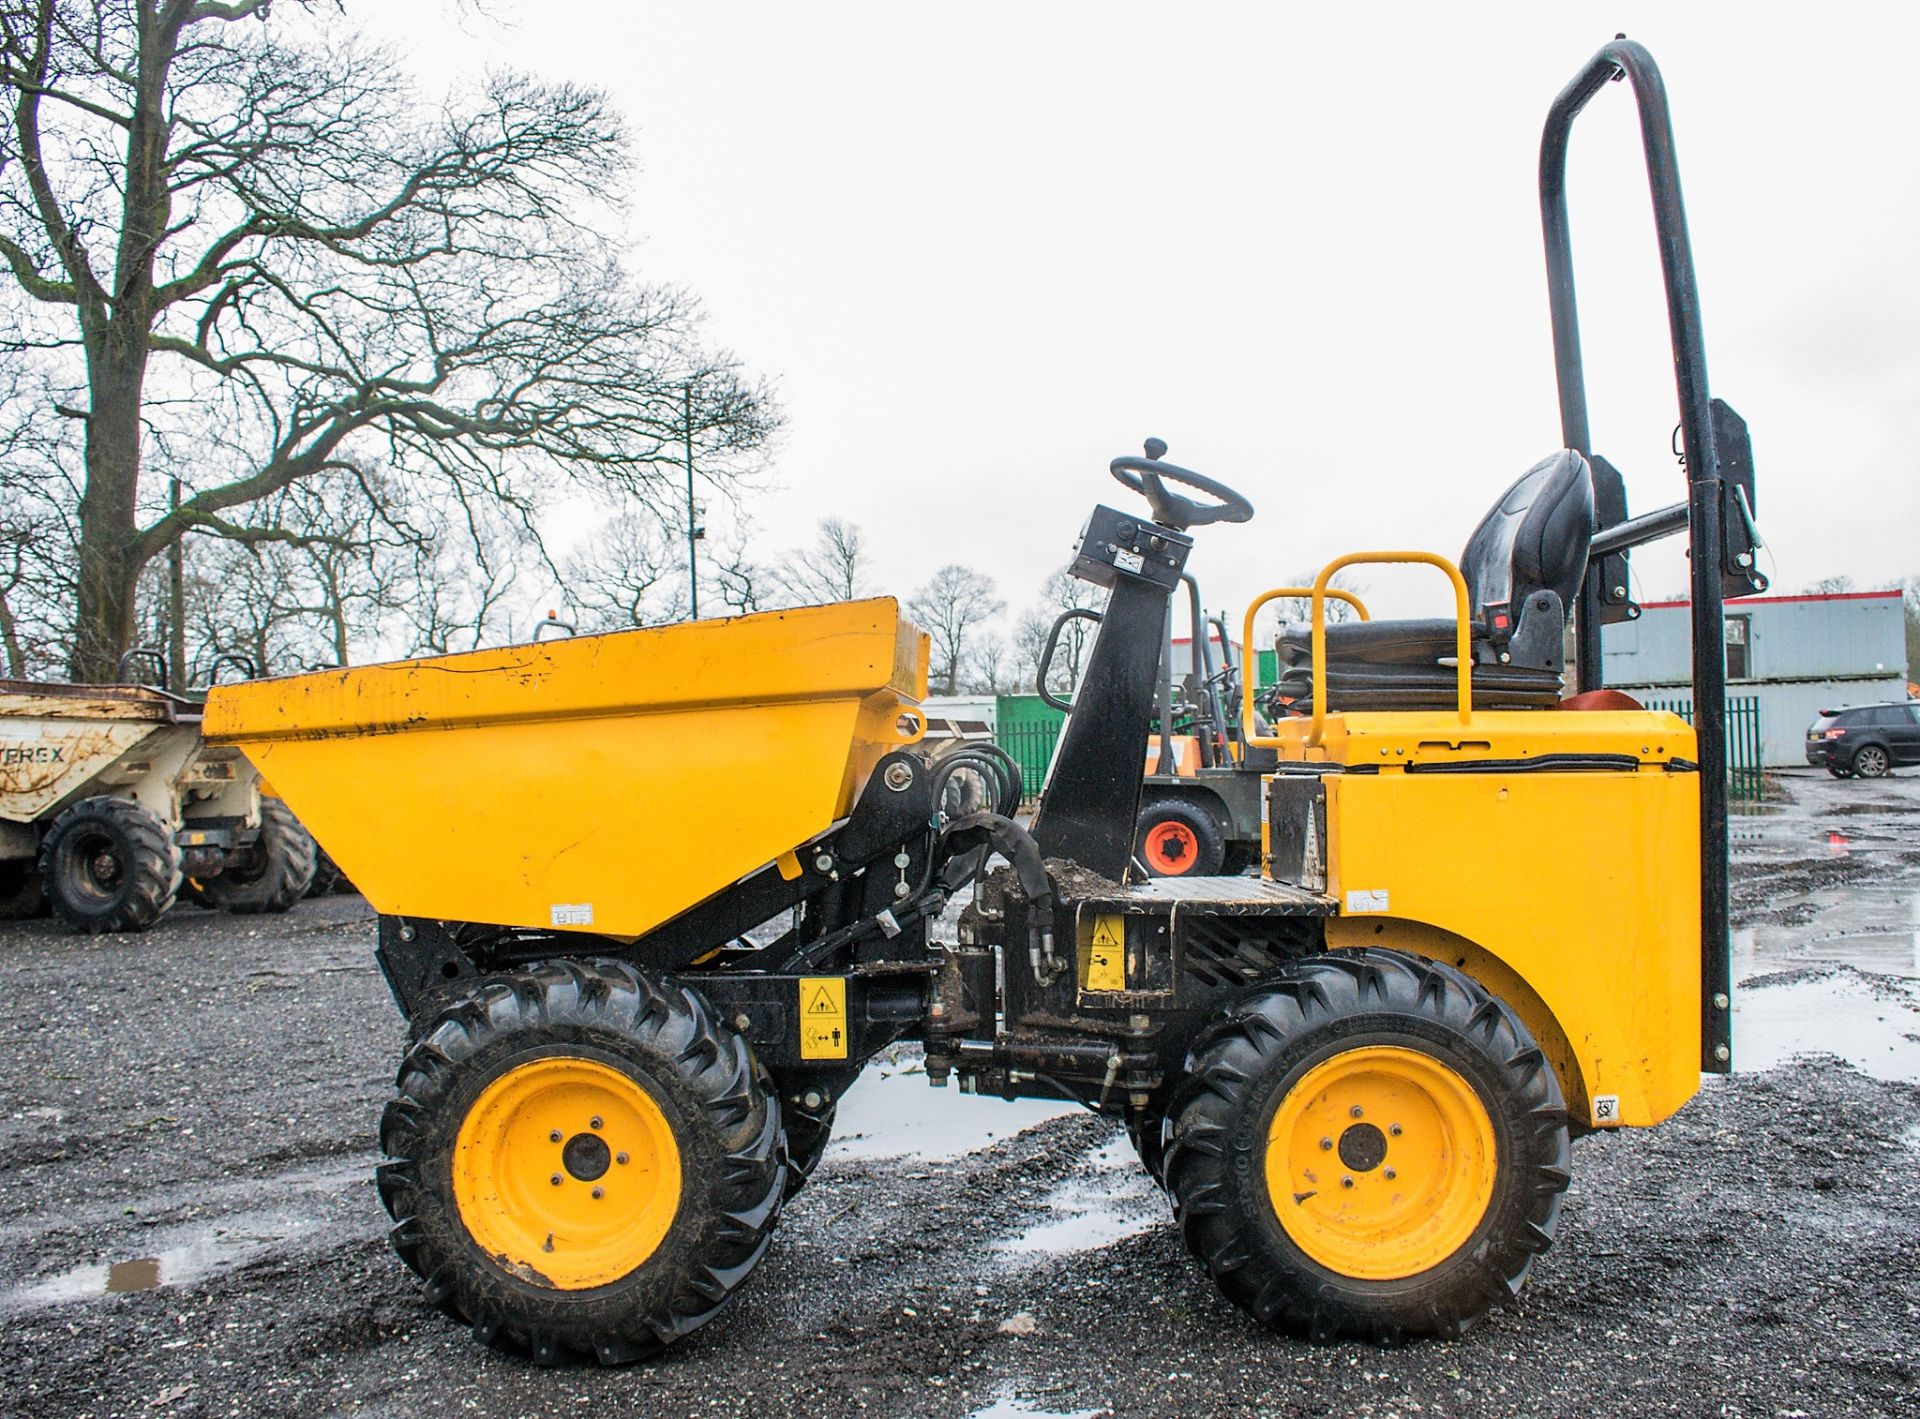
(1108, 1199)
(219, 1249)
(177, 1255)
(1874, 926)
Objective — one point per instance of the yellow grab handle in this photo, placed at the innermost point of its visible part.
(1462, 633)
(1248, 728)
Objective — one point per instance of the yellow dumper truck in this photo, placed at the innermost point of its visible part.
(650, 900)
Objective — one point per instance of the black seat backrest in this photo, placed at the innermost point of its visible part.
(1535, 539)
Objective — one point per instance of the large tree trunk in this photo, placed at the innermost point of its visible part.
(109, 575)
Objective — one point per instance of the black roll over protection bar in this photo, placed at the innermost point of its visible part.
(1718, 512)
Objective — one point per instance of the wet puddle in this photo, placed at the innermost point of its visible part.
(219, 1250)
(1873, 1024)
(189, 1253)
(892, 1113)
(1112, 1201)
(1874, 926)
(1013, 1408)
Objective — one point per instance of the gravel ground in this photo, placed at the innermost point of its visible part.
(197, 1105)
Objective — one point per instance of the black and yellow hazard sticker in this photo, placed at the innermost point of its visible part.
(823, 1017)
(1107, 954)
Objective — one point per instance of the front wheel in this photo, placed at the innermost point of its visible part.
(107, 864)
(1371, 1145)
(582, 1160)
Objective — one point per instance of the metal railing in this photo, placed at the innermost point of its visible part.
(1031, 743)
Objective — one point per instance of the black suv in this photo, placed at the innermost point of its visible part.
(1865, 740)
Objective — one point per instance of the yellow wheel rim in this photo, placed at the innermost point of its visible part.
(566, 1172)
(1380, 1162)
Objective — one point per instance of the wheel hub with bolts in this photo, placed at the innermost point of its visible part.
(1170, 848)
(1372, 1201)
(566, 1170)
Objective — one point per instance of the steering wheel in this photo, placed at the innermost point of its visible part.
(1149, 477)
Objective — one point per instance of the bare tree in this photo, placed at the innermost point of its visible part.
(833, 568)
(994, 668)
(260, 260)
(1299, 609)
(36, 527)
(626, 576)
(1830, 585)
(368, 562)
(950, 608)
(742, 584)
(1060, 592)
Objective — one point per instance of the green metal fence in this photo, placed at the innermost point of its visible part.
(1027, 727)
(1744, 778)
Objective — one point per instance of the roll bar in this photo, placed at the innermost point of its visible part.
(1249, 725)
(1707, 502)
(1319, 592)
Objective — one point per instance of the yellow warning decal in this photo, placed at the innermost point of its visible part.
(823, 1017)
(1107, 957)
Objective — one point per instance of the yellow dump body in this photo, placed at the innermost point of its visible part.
(602, 783)
(1574, 894)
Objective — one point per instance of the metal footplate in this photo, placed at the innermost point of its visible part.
(1214, 896)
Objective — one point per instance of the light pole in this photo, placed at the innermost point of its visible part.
(693, 512)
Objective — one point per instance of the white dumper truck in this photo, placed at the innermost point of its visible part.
(111, 806)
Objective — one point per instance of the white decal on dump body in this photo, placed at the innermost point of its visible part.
(1606, 1110)
(570, 914)
(1375, 901)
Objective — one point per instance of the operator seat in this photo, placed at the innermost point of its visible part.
(1523, 566)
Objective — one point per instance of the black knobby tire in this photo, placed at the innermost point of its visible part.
(1839, 772)
(1199, 828)
(107, 864)
(271, 873)
(701, 1075)
(1870, 761)
(1240, 1071)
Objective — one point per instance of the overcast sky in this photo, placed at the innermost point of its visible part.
(982, 249)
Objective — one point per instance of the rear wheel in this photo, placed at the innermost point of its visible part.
(1870, 761)
(107, 864)
(272, 872)
(1372, 1145)
(1180, 839)
(583, 1160)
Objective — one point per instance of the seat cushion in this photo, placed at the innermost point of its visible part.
(1420, 687)
(1372, 642)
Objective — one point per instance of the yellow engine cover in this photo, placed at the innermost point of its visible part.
(1572, 895)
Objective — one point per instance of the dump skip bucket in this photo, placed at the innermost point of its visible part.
(603, 783)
